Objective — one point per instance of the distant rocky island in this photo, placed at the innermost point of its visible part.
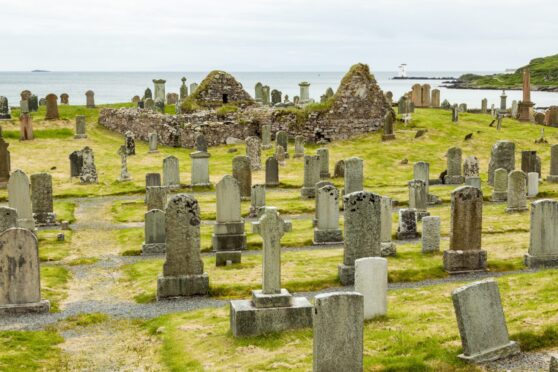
(544, 77)
(421, 78)
(40, 71)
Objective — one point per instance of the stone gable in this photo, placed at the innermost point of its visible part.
(219, 88)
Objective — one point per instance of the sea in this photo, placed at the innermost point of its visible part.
(117, 87)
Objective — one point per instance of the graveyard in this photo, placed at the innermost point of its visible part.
(108, 307)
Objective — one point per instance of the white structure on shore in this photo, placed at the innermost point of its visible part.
(403, 70)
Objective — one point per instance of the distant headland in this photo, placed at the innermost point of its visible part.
(40, 71)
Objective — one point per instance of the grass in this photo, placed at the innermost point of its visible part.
(30, 350)
(50, 248)
(54, 282)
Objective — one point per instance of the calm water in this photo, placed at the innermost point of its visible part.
(112, 87)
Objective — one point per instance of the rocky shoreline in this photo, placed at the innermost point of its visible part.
(457, 84)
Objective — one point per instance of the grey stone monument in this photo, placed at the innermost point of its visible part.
(124, 175)
(8, 218)
(257, 199)
(323, 153)
(388, 247)
(156, 197)
(430, 234)
(500, 191)
(80, 127)
(254, 152)
(553, 176)
(266, 137)
(171, 172)
(41, 199)
(407, 228)
(418, 198)
(159, 89)
(153, 142)
(454, 176)
(271, 172)
(311, 176)
(327, 215)
(282, 139)
(241, 170)
(154, 230)
(130, 143)
(502, 156)
(152, 179)
(90, 99)
(354, 175)
(19, 198)
(543, 243)
(200, 168)
(517, 191)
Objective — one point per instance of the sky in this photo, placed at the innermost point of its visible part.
(274, 35)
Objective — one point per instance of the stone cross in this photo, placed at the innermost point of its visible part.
(271, 227)
(124, 176)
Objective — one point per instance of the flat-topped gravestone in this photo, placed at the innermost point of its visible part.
(282, 139)
(124, 175)
(407, 228)
(200, 168)
(517, 191)
(254, 152)
(553, 176)
(41, 199)
(435, 98)
(257, 199)
(52, 107)
(338, 332)
(241, 170)
(421, 171)
(153, 142)
(228, 233)
(318, 186)
(327, 229)
(465, 253)
(156, 197)
(154, 231)
(80, 127)
(500, 191)
(183, 273)
(354, 175)
(323, 153)
(430, 234)
(266, 137)
(481, 322)
(532, 184)
(502, 156)
(311, 176)
(454, 176)
(299, 147)
(361, 231)
(19, 198)
(8, 218)
(20, 283)
(171, 172)
(271, 172)
(130, 143)
(272, 309)
(159, 89)
(388, 247)
(543, 242)
(371, 280)
(152, 179)
(418, 198)
(484, 106)
(90, 99)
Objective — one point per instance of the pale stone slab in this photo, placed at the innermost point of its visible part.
(543, 242)
(200, 168)
(354, 175)
(430, 234)
(19, 198)
(421, 171)
(311, 176)
(171, 172)
(254, 152)
(327, 216)
(241, 170)
(8, 218)
(154, 231)
(500, 191)
(371, 280)
(228, 232)
(532, 184)
(454, 175)
(517, 191)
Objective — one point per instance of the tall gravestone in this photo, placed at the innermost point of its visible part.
(543, 242)
(421, 171)
(228, 232)
(171, 172)
(80, 127)
(154, 232)
(254, 152)
(25, 122)
(19, 198)
(323, 153)
(90, 99)
(41, 199)
(20, 282)
(407, 228)
(88, 174)
(4, 109)
(5, 161)
(500, 191)
(52, 107)
(130, 143)
(338, 332)
(272, 309)
(311, 176)
(282, 139)
(257, 199)
(481, 322)
(502, 156)
(76, 163)
(361, 231)
(465, 253)
(200, 168)
(530, 162)
(299, 147)
(241, 170)
(156, 197)
(183, 273)
(153, 138)
(388, 128)
(552, 177)
(327, 216)
(484, 106)
(388, 247)
(271, 172)
(418, 198)
(430, 234)
(159, 89)
(454, 176)
(266, 136)
(354, 175)
(435, 101)
(124, 175)
(258, 92)
(371, 280)
(517, 192)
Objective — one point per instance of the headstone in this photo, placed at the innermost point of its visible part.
(154, 231)
(388, 128)
(258, 92)
(551, 117)
(193, 88)
(465, 253)
(147, 94)
(80, 127)
(5, 161)
(90, 99)
(33, 103)
(354, 175)
(280, 155)
(407, 228)
(514, 109)
(304, 92)
(257, 199)
(323, 153)
(130, 143)
(156, 197)
(430, 234)
(124, 175)
(52, 107)
(88, 174)
(25, 126)
(271, 172)
(418, 198)
(416, 95)
(371, 280)
(388, 248)
(159, 89)
(19, 198)
(500, 191)
(421, 171)
(361, 231)
(200, 168)
(183, 89)
(149, 104)
(266, 136)
(317, 187)
(503, 104)
(265, 95)
(299, 147)
(338, 332)
(502, 156)
(481, 322)
(171, 172)
(275, 97)
(20, 283)
(153, 142)
(532, 184)
(552, 177)
(327, 216)
(484, 106)
(136, 99)
(543, 250)
(183, 273)
(41, 199)
(64, 98)
(241, 170)
(311, 176)
(8, 218)
(425, 95)
(339, 170)
(76, 163)
(152, 179)
(160, 105)
(228, 233)
(471, 167)
(530, 162)
(455, 113)
(282, 139)
(272, 309)
(517, 191)
(435, 101)
(254, 152)
(474, 181)
(454, 176)
(172, 98)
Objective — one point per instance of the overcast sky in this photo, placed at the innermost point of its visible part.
(274, 35)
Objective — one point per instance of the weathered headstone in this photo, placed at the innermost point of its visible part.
(435, 100)
(327, 216)
(465, 253)
(371, 280)
(25, 122)
(258, 92)
(481, 322)
(254, 152)
(147, 94)
(159, 105)
(502, 156)
(183, 273)
(430, 234)
(543, 249)
(5, 161)
(88, 172)
(80, 127)
(421, 171)
(418, 198)
(172, 98)
(76, 163)
(299, 147)
(361, 231)
(200, 143)
(484, 106)
(64, 99)
(193, 88)
(257, 199)
(159, 89)
(41, 199)
(154, 231)
(183, 89)
(124, 175)
(454, 176)
(8, 218)
(200, 168)
(500, 191)
(454, 113)
(388, 128)
(354, 175)
(407, 227)
(33, 103)
(282, 139)
(311, 176)
(242, 171)
(130, 143)
(149, 104)
(416, 95)
(90, 99)
(532, 184)
(517, 191)
(52, 107)
(552, 177)
(388, 247)
(425, 95)
(153, 142)
(266, 136)
(152, 179)
(20, 283)
(171, 172)
(19, 198)
(339, 170)
(156, 197)
(280, 155)
(338, 332)
(323, 153)
(266, 95)
(271, 172)
(275, 97)
(530, 162)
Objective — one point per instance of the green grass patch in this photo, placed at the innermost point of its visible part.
(54, 283)
(60, 133)
(83, 261)
(30, 350)
(50, 248)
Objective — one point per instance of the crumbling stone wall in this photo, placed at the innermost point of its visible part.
(220, 88)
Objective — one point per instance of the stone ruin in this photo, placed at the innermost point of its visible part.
(220, 88)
